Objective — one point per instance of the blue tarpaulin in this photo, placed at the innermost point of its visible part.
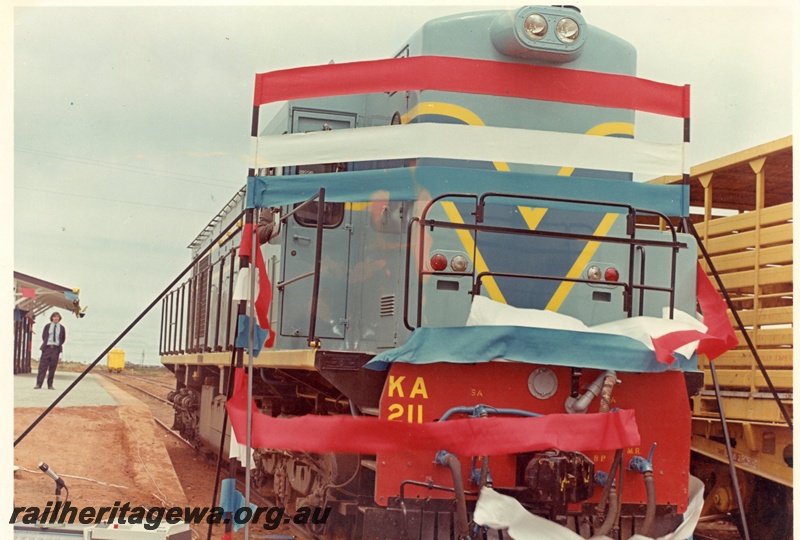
(421, 183)
(545, 346)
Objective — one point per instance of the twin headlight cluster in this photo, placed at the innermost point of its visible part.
(536, 26)
(554, 34)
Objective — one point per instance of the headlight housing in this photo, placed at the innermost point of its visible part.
(553, 34)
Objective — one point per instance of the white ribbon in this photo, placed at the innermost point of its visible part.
(479, 143)
(502, 512)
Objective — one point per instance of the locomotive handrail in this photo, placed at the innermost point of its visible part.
(627, 286)
(642, 260)
(480, 202)
(632, 210)
(479, 278)
(312, 324)
(286, 282)
(632, 213)
(282, 284)
(422, 220)
(745, 334)
(432, 223)
(285, 217)
(407, 273)
(173, 341)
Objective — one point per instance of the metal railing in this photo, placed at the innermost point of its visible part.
(198, 316)
(477, 226)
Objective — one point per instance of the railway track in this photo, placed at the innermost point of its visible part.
(297, 532)
(148, 381)
(710, 527)
(118, 379)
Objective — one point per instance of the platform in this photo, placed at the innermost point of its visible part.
(100, 439)
(91, 391)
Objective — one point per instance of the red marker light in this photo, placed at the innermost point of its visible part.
(612, 274)
(438, 262)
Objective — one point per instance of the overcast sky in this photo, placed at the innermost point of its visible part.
(131, 124)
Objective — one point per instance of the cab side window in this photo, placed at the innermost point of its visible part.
(333, 212)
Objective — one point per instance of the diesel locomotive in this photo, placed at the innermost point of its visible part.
(452, 240)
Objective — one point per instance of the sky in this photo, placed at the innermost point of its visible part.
(131, 124)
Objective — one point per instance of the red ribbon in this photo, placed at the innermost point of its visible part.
(718, 339)
(478, 436)
(264, 286)
(469, 75)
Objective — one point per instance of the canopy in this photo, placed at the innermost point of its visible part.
(35, 296)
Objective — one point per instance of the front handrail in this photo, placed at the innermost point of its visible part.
(477, 226)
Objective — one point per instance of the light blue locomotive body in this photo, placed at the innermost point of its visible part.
(408, 238)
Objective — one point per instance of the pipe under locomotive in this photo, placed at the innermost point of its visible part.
(378, 261)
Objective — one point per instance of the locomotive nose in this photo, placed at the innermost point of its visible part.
(551, 34)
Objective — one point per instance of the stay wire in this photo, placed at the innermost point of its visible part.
(228, 394)
(146, 310)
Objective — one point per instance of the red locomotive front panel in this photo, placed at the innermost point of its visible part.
(424, 393)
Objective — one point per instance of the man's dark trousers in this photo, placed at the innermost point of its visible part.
(47, 365)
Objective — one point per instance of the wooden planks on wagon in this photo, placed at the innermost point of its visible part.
(752, 252)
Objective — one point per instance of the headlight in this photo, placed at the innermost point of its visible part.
(567, 30)
(535, 26)
(459, 263)
(594, 273)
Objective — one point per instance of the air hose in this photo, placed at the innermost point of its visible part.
(443, 457)
(650, 513)
(645, 466)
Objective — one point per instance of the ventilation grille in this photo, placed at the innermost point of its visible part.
(387, 305)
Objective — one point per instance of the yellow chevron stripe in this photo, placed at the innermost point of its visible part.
(580, 263)
(469, 244)
(602, 130)
(532, 216)
(451, 111)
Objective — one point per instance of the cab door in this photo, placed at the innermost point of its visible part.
(301, 244)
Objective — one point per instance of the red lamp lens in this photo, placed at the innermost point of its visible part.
(438, 262)
(612, 274)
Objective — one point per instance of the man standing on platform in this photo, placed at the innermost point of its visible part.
(53, 339)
